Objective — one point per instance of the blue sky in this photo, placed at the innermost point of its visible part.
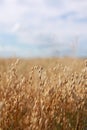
(38, 28)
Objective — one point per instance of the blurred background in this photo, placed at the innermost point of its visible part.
(43, 28)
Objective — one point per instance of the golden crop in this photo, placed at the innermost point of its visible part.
(43, 94)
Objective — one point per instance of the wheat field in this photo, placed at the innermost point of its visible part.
(43, 94)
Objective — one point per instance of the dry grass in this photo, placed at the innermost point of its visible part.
(43, 94)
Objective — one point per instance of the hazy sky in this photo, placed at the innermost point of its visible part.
(42, 27)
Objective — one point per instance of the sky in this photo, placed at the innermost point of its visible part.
(43, 28)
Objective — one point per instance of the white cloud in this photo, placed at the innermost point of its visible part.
(16, 28)
(29, 19)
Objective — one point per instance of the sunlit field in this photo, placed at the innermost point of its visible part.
(43, 94)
